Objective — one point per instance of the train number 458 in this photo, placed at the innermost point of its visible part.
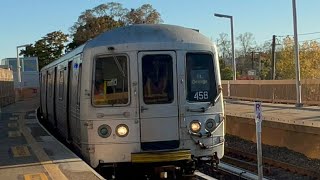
(201, 95)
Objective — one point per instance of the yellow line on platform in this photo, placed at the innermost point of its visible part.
(38, 176)
(52, 169)
(20, 151)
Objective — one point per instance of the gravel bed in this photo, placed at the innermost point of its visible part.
(278, 153)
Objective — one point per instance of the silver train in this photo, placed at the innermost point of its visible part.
(140, 94)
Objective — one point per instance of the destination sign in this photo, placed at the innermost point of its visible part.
(200, 80)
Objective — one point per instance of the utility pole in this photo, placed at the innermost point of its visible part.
(296, 52)
(260, 66)
(273, 73)
(232, 44)
(252, 58)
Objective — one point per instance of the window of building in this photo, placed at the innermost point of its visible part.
(30, 65)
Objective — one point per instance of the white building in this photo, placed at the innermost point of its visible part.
(29, 71)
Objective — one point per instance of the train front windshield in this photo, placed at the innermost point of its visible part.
(201, 84)
(111, 81)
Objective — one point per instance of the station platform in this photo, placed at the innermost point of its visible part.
(29, 152)
(284, 113)
(283, 125)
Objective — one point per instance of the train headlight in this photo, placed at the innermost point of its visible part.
(122, 130)
(104, 131)
(195, 126)
(210, 125)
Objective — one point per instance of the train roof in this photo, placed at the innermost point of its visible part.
(140, 33)
(148, 33)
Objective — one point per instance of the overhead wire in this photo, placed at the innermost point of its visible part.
(302, 34)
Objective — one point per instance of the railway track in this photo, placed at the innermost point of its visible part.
(225, 171)
(248, 161)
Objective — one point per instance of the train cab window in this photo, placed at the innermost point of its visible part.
(201, 84)
(111, 81)
(157, 75)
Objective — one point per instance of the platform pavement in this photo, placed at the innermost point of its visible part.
(29, 152)
(283, 125)
(284, 113)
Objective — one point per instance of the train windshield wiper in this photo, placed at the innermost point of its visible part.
(119, 66)
(210, 105)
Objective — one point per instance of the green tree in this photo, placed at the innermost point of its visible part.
(108, 16)
(224, 46)
(309, 55)
(310, 60)
(265, 59)
(244, 56)
(47, 49)
(143, 15)
(246, 42)
(225, 71)
(285, 62)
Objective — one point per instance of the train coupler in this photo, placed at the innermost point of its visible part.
(168, 172)
(215, 162)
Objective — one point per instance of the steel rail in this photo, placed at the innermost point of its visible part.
(271, 162)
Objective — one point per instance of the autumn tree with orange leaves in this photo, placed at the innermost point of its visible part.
(309, 55)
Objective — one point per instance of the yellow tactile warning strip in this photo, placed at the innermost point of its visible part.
(20, 151)
(38, 176)
(12, 134)
(52, 169)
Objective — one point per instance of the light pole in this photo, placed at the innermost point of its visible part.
(232, 43)
(296, 52)
(19, 66)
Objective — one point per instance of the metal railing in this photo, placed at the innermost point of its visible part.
(274, 91)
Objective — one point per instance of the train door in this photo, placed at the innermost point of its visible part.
(44, 93)
(61, 102)
(50, 97)
(55, 76)
(48, 93)
(74, 105)
(41, 93)
(158, 100)
(69, 97)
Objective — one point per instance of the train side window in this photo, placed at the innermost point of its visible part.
(79, 84)
(61, 84)
(111, 81)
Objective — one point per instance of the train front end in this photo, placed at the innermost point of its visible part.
(155, 100)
